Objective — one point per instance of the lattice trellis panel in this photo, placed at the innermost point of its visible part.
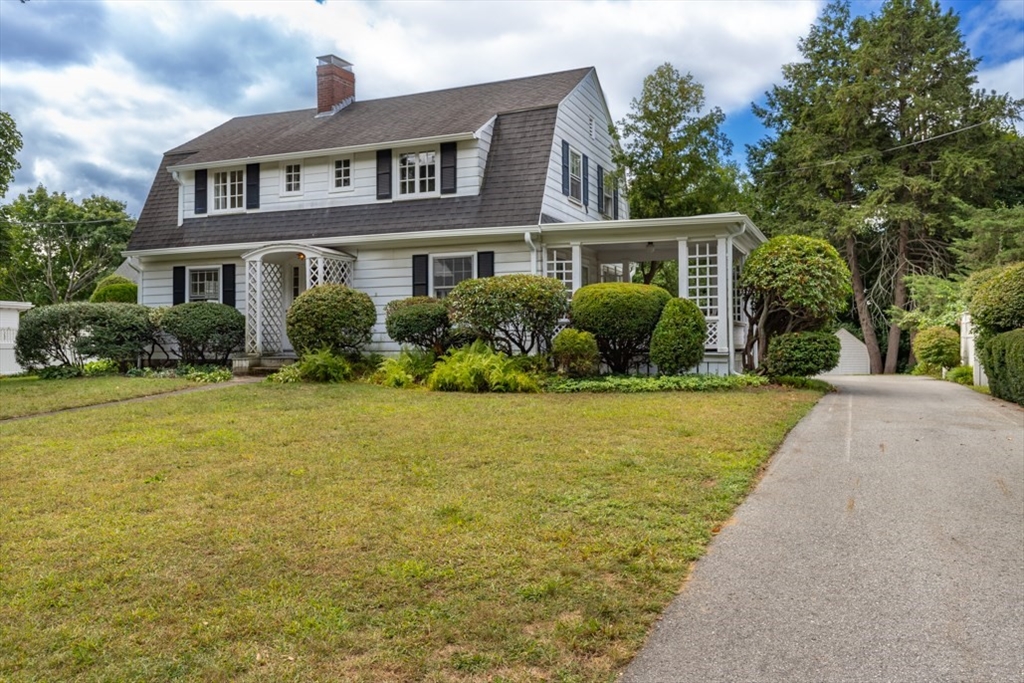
(252, 302)
(314, 271)
(272, 306)
(337, 271)
(711, 341)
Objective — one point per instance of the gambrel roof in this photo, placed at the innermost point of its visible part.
(524, 110)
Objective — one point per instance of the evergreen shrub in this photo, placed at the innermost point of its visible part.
(331, 316)
(51, 334)
(120, 332)
(575, 353)
(802, 354)
(124, 292)
(622, 317)
(997, 304)
(112, 279)
(678, 340)
(205, 332)
(421, 321)
(1003, 357)
(938, 345)
(962, 374)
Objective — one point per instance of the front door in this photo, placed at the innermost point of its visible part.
(294, 284)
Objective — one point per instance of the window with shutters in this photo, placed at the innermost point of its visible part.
(341, 174)
(608, 199)
(417, 173)
(448, 271)
(575, 175)
(291, 179)
(204, 284)
(229, 190)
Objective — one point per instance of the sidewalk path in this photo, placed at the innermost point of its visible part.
(885, 543)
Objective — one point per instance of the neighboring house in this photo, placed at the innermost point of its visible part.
(409, 195)
(853, 356)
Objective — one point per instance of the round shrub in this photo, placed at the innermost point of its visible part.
(51, 334)
(1003, 357)
(421, 321)
(124, 292)
(112, 279)
(802, 354)
(575, 353)
(515, 313)
(938, 346)
(205, 332)
(998, 303)
(678, 340)
(622, 317)
(120, 332)
(333, 317)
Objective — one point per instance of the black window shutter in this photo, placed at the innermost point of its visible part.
(201, 191)
(565, 167)
(615, 201)
(419, 275)
(252, 186)
(449, 178)
(227, 284)
(383, 174)
(600, 188)
(178, 288)
(586, 181)
(485, 264)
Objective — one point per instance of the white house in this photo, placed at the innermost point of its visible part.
(409, 195)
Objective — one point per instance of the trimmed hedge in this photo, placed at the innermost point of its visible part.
(998, 303)
(622, 317)
(678, 340)
(120, 332)
(802, 354)
(124, 292)
(1003, 357)
(205, 332)
(421, 321)
(331, 316)
(112, 279)
(52, 334)
(938, 346)
(514, 313)
(575, 353)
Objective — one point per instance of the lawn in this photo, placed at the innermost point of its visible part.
(29, 395)
(350, 532)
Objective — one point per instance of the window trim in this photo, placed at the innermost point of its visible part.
(284, 178)
(188, 282)
(211, 190)
(332, 170)
(396, 173)
(572, 198)
(431, 258)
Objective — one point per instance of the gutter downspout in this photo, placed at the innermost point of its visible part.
(729, 328)
(181, 196)
(534, 249)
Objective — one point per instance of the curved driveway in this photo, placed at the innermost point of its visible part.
(885, 543)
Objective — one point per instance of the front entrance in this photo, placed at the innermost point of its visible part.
(294, 285)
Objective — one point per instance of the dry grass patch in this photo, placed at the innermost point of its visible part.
(299, 533)
(30, 395)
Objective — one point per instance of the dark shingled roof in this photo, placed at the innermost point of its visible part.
(429, 114)
(511, 194)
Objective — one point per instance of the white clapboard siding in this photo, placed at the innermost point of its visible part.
(853, 356)
(575, 112)
(157, 287)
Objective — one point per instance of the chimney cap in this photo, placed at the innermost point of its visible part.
(336, 61)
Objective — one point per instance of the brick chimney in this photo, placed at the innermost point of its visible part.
(335, 84)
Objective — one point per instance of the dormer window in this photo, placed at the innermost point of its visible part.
(417, 173)
(228, 190)
(292, 179)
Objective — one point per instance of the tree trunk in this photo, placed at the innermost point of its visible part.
(867, 325)
(899, 298)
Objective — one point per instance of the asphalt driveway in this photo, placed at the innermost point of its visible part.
(885, 543)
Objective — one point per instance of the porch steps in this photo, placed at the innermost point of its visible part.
(262, 366)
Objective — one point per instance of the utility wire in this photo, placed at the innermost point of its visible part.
(41, 224)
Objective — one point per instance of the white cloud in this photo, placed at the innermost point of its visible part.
(1005, 78)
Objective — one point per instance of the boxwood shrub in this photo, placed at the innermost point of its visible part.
(331, 316)
(622, 317)
(678, 340)
(205, 332)
(575, 353)
(120, 332)
(1003, 357)
(420, 321)
(51, 334)
(938, 345)
(515, 313)
(123, 292)
(802, 354)
(997, 304)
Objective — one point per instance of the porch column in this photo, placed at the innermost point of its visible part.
(727, 318)
(577, 265)
(625, 271)
(724, 283)
(684, 268)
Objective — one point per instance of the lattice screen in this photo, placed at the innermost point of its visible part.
(272, 309)
(252, 302)
(703, 277)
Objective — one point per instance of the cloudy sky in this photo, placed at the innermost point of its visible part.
(100, 89)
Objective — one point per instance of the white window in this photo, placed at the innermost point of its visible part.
(204, 284)
(575, 175)
(609, 195)
(342, 174)
(228, 190)
(559, 266)
(448, 271)
(417, 173)
(292, 178)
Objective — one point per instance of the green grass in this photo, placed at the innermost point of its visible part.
(29, 395)
(351, 532)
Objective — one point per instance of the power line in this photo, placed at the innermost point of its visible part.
(42, 224)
